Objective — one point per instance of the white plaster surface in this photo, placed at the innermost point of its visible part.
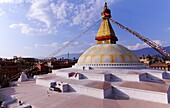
(36, 96)
(144, 94)
(87, 91)
(127, 77)
(23, 77)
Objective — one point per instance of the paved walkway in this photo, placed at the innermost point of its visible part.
(37, 96)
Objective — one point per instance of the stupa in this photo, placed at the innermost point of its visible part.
(106, 53)
(107, 75)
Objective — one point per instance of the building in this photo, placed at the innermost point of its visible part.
(24, 63)
(8, 69)
(107, 75)
(58, 64)
(146, 61)
(161, 66)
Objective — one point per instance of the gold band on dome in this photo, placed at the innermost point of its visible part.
(112, 58)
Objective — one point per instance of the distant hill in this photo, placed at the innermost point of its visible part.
(146, 51)
(71, 56)
(139, 53)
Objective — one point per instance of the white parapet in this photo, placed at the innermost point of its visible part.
(142, 94)
(23, 77)
(62, 86)
(166, 75)
(46, 83)
(71, 75)
(110, 66)
(158, 73)
(125, 77)
(96, 76)
(75, 75)
(62, 74)
(150, 78)
(94, 92)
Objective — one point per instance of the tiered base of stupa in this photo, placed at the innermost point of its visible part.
(143, 84)
(109, 66)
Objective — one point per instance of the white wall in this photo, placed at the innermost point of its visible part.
(87, 91)
(92, 76)
(62, 86)
(156, 74)
(127, 77)
(150, 78)
(54, 71)
(94, 92)
(144, 94)
(62, 74)
(43, 82)
(166, 75)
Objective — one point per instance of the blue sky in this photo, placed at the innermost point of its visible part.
(33, 28)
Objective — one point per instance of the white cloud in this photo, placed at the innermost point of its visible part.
(11, 1)
(144, 45)
(87, 12)
(54, 44)
(41, 45)
(40, 11)
(76, 43)
(49, 14)
(81, 51)
(26, 29)
(14, 1)
(168, 29)
(28, 48)
(64, 43)
(76, 47)
(1, 12)
(159, 42)
(63, 11)
(137, 46)
(89, 44)
(72, 44)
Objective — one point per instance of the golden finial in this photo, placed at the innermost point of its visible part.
(106, 12)
(106, 33)
(105, 5)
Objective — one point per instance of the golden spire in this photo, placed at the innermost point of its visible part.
(106, 33)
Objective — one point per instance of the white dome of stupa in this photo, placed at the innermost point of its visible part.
(107, 54)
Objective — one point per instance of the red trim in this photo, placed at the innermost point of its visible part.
(106, 38)
(106, 15)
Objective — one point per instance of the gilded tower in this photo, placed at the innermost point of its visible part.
(106, 33)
